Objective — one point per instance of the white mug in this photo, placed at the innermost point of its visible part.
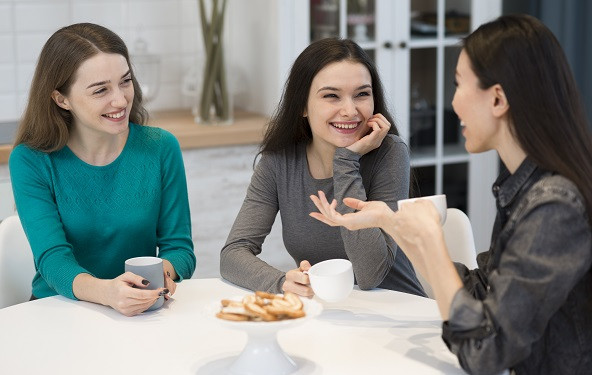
(438, 200)
(332, 280)
(151, 269)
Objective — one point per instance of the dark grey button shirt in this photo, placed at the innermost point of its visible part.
(528, 306)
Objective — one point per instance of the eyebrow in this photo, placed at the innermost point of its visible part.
(104, 82)
(336, 89)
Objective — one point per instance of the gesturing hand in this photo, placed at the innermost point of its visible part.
(369, 214)
(380, 127)
(297, 281)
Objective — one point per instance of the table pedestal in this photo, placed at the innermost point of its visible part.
(263, 355)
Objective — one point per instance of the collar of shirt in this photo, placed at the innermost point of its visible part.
(507, 186)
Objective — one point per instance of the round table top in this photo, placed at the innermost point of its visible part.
(369, 332)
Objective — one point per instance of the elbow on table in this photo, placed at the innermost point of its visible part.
(230, 267)
(367, 284)
(225, 272)
(232, 277)
(370, 281)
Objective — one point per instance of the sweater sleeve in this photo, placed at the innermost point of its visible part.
(239, 263)
(35, 200)
(174, 222)
(371, 251)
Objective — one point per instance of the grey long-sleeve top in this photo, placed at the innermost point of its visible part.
(282, 181)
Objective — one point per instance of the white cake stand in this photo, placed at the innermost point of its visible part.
(262, 355)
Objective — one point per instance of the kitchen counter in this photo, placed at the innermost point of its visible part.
(247, 128)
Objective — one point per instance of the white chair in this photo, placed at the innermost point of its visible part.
(16, 263)
(458, 235)
(7, 206)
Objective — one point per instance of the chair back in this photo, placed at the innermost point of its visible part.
(7, 207)
(458, 234)
(17, 267)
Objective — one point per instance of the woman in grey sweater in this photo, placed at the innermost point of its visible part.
(332, 132)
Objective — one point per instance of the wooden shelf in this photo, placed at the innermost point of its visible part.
(246, 129)
(5, 153)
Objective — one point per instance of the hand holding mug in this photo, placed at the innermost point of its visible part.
(439, 202)
(129, 295)
(418, 220)
(297, 281)
(151, 269)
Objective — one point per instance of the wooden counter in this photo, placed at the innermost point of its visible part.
(247, 128)
(5, 153)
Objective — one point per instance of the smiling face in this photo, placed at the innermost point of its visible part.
(473, 105)
(340, 102)
(101, 97)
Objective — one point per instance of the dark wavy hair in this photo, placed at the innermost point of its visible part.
(546, 113)
(44, 125)
(287, 126)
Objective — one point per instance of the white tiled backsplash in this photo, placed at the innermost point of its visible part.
(171, 29)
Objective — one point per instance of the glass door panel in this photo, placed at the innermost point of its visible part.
(361, 25)
(423, 181)
(457, 20)
(424, 20)
(455, 185)
(422, 121)
(324, 19)
(452, 135)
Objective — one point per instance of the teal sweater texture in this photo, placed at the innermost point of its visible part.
(81, 218)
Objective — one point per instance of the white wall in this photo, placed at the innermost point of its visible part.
(254, 54)
(265, 36)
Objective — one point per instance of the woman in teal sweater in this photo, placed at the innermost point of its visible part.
(92, 186)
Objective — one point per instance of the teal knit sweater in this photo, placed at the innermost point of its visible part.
(81, 218)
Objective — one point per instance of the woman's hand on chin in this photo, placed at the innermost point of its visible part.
(379, 129)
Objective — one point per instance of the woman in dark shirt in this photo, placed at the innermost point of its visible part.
(528, 307)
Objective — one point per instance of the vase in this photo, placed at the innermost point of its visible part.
(214, 101)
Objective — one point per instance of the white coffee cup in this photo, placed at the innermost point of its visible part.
(332, 280)
(150, 268)
(438, 200)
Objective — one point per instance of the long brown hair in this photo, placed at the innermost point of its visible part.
(45, 126)
(546, 114)
(287, 125)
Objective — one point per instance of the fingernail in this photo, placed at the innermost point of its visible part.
(145, 282)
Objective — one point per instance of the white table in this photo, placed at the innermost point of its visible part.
(371, 332)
